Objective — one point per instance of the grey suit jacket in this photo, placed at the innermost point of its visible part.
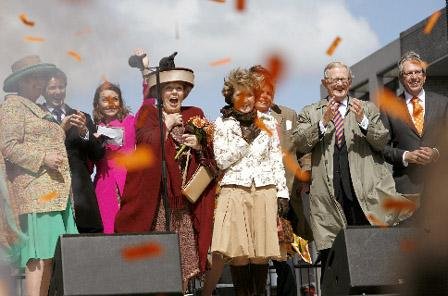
(404, 137)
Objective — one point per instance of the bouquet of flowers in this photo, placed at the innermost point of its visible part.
(201, 128)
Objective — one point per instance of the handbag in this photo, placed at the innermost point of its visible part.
(285, 232)
(200, 179)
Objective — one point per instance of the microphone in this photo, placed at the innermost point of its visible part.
(136, 61)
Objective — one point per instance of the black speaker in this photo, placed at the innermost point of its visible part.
(366, 260)
(119, 264)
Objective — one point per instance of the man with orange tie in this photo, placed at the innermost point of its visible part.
(413, 143)
(345, 137)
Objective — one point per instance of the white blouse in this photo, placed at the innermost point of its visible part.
(244, 164)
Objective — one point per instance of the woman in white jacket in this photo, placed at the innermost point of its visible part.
(246, 147)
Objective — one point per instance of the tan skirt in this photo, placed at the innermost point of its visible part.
(246, 223)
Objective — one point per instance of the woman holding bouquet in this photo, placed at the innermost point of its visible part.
(142, 208)
(246, 146)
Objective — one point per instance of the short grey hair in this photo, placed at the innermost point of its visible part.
(333, 65)
(410, 56)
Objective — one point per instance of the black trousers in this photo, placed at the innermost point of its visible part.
(286, 282)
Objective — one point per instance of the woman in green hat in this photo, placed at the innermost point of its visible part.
(32, 143)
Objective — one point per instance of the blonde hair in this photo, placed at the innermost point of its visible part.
(238, 78)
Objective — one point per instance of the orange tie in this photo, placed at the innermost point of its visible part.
(417, 114)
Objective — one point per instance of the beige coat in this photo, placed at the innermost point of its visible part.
(27, 134)
(372, 180)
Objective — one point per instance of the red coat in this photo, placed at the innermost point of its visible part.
(141, 196)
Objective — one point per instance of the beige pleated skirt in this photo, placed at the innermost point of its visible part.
(246, 223)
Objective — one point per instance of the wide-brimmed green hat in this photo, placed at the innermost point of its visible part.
(31, 64)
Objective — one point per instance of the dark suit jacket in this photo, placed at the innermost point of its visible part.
(404, 137)
(80, 152)
(287, 121)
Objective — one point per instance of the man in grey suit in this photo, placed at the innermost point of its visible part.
(413, 144)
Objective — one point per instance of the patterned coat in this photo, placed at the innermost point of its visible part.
(28, 133)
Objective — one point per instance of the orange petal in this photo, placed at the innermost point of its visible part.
(375, 221)
(432, 21)
(48, 197)
(74, 55)
(83, 31)
(292, 166)
(220, 62)
(393, 204)
(33, 39)
(142, 251)
(142, 157)
(240, 5)
(25, 20)
(275, 66)
(333, 45)
(219, 1)
(391, 104)
(408, 245)
(260, 124)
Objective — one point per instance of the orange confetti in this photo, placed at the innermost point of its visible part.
(48, 197)
(83, 31)
(33, 39)
(375, 221)
(333, 45)
(432, 21)
(76, 56)
(392, 105)
(275, 66)
(220, 62)
(219, 1)
(408, 245)
(292, 166)
(142, 251)
(142, 157)
(25, 20)
(240, 5)
(260, 124)
(398, 205)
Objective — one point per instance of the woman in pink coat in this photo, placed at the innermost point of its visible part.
(116, 126)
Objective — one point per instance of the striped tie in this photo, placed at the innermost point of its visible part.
(339, 125)
(417, 114)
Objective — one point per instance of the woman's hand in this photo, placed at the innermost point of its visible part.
(171, 120)
(191, 141)
(53, 160)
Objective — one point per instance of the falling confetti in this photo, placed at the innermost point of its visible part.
(176, 31)
(292, 166)
(275, 66)
(375, 221)
(142, 157)
(84, 31)
(74, 55)
(220, 62)
(333, 45)
(48, 197)
(432, 21)
(142, 251)
(33, 39)
(219, 1)
(392, 105)
(408, 245)
(240, 5)
(398, 205)
(25, 20)
(260, 124)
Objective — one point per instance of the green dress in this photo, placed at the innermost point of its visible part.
(42, 231)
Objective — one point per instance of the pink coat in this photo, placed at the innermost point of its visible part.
(110, 178)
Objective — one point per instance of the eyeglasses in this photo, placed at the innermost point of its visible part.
(336, 80)
(412, 73)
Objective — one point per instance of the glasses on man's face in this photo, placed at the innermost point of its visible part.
(335, 80)
(413, 73)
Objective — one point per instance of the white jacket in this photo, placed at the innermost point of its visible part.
(244, 164)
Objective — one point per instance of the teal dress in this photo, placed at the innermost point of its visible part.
(42, 231)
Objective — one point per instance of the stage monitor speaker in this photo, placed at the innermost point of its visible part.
(365, 260)
(119, 264)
